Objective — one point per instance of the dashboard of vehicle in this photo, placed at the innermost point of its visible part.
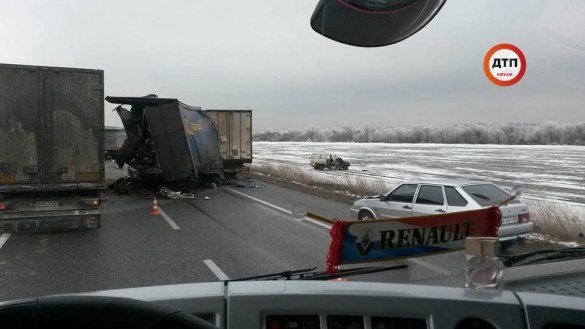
(361, 305)
(542, 296)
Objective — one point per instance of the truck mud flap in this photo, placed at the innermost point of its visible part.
(48, 224)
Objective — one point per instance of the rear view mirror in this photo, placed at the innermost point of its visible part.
(372, 23)
(382, 197)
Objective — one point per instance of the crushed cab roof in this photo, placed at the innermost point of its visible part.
(147, 101)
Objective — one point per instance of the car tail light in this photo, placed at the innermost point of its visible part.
(5, 206)
(524, 217)
(90, 202)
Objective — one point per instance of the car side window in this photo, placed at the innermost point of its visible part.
(454, 198)
(430, 195)
(404, 193)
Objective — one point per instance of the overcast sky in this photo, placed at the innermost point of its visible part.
(263, 55)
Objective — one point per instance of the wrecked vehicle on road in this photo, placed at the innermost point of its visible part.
(329, 161)
(168, 140)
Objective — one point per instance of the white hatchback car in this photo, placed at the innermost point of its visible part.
(446, 196)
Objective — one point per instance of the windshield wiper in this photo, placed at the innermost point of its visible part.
(279, 275)
(352, 272)
(548, 256)
(311, 274)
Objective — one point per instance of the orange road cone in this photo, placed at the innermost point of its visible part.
(154, 210)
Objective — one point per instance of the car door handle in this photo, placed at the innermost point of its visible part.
(406, 207)
(440, 210)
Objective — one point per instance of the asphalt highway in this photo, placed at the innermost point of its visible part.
(223, 233)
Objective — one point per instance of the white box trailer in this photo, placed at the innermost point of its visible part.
(114, 138)
(234, 128)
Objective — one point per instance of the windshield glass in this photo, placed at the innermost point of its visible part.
(147, 143)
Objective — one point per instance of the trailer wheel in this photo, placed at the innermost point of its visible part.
(345, 167)
(321, 167)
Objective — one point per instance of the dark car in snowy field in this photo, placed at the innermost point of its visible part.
(328, 161)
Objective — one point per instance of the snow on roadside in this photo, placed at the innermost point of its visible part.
(545, 238)
(546, 172)
(554, 221)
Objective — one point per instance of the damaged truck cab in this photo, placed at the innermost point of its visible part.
(167, 139)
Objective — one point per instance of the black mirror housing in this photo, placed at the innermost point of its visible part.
(370, 23)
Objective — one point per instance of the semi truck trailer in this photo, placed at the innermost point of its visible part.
(234, 129)
(51, 148)
(114, 138)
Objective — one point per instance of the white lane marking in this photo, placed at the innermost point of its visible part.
(430, 266)
(261, 201)
(168, 219)
(216, 270)
(417, 261)
(3, 238)
(273, 211)
(279, 208)
(316, 222)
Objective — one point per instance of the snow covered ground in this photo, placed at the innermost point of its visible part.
(548, 172)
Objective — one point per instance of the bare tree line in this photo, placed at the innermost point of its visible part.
(550, 133)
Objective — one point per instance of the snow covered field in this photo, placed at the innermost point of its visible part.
(553, 173)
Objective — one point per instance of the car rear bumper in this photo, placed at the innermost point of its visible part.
(515, 231)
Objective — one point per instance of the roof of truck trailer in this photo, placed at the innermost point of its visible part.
(147, 101)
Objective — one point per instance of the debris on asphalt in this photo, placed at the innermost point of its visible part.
(188, 195)
(248, 183)
(299, 211)
(165, 192)
(124, 185)
(147, 187)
